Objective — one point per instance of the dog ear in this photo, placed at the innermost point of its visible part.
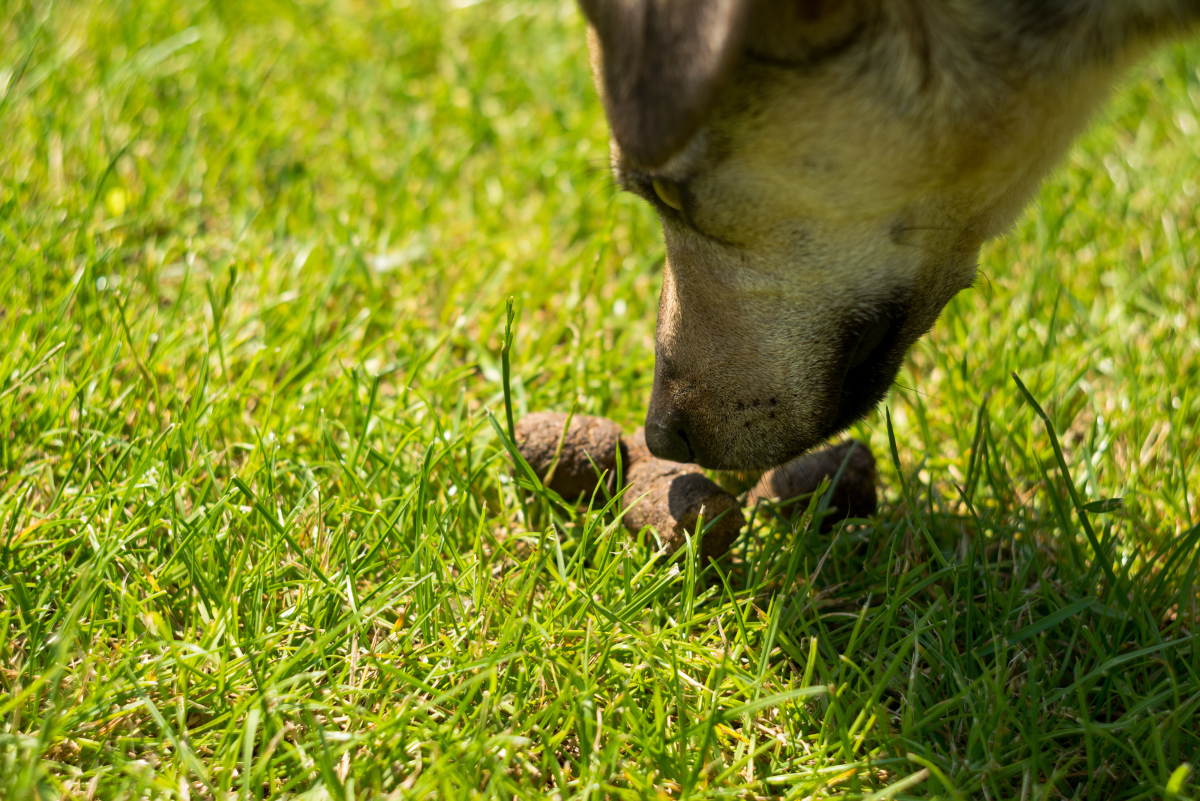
(662, 64)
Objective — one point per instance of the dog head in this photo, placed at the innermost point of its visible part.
(825, 173)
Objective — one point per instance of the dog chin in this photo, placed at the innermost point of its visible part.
(755, 457)
(763, 453)
(865, 387)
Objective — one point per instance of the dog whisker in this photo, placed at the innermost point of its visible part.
(979, 273)
(916, 391)
(907, 228)
(593, 167)
(916, 246)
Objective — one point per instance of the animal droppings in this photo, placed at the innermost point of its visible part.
(671, 497)
(590, 446)
(854, 495)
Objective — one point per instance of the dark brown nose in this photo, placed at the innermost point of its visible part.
(668, 434)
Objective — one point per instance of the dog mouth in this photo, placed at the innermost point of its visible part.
(874, 351)
(870, 339)
(860, 374)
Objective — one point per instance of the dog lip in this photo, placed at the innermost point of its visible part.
(874, 356)
(870, 338)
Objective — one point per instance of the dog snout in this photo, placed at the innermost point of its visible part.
(668, 434)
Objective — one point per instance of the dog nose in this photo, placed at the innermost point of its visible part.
(668, 435)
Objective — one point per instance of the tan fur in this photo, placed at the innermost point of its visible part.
(827, 190)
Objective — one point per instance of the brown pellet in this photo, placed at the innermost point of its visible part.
(671, 497)
(854, 495)
(590, 445)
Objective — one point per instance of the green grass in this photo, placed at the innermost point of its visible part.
(258, 535)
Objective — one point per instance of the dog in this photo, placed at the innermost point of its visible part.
(826, 172)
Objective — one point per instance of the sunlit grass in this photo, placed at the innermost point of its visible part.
(258, 536)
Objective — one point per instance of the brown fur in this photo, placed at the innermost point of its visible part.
(839, 165)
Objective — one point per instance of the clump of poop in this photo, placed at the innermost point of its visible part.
(854, 494)
(671, 498)
(589, 448)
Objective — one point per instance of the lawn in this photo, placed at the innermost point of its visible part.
(259, 535)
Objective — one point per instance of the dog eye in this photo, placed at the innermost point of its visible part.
(668, 192)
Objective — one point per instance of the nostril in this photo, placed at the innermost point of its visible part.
(669, 438)
(682, 435)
